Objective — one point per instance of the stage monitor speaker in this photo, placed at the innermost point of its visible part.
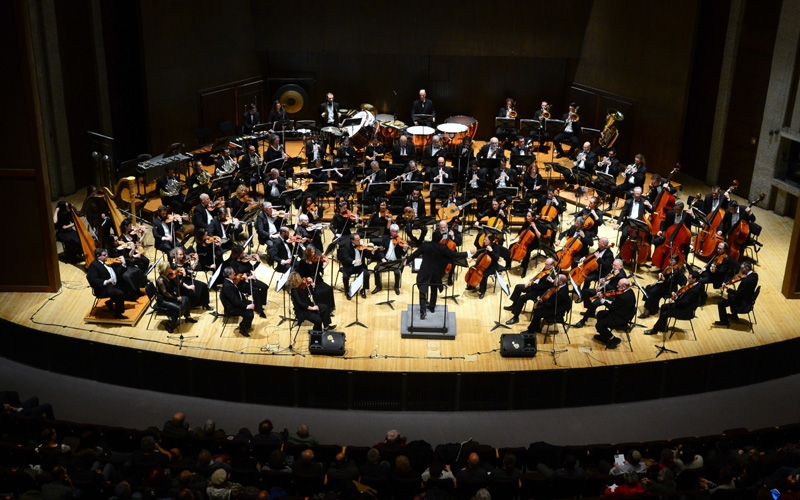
(515, 345)
(326, 343)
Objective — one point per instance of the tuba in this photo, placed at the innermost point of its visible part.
(610, 132)
(173, 188)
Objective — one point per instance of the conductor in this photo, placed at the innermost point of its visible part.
(435, 258)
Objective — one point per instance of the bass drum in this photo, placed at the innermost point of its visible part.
(470, 122)
(420, 135)
(361, 133)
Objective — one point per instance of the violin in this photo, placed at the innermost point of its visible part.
(174, 273)
(317, 258)
(238, 278)
(216, 240)
(549, 293)
(347, 214)
(734, 280)
(173, 218)
(400, 242)
(294, 239)
(251, 203)
(138, 229)
(312, 209)
(307, 283)
(610, 294)
(369, 247)
(113, 261)
(253, 257)
(684, 289)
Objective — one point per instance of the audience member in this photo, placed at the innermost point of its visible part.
(437, 471)
(630, 486)
(392, 441)
(31, 408)
(302, 437)
(342, 469)
(570, 467)
(220, 488)
(209, 431)
(177, 427)
(663, 486)
(374, 467)
(265, 434)
(508, 469)
(474, 470)
(633, 463)
(306, 465)
(207, 466)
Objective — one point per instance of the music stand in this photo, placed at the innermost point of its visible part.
(371, 232)
(505, 122)
(393, 170)
(282, 125)
(663, 347)
(389, 266)
(506, 192)
(525, 160)
(460, 262)
(217, 145)
(440, 189)
(504, 289)
(408, 186)
(278, 287)
(377, 188)
(213, 284)
(309, 124)
(317, 188)
(355, 286)
(291, 163)
(583, 177)
(423, 119)
(489, 164)
(350, 122)
(565, 172)
(262, 127)
(429, 161)
(288, 195)
(528, 124)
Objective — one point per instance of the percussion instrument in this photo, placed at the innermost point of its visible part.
(420, 135)
(470, 122)
(360, 134)
(389, 129)
(453, 134)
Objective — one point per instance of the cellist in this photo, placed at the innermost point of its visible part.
(493, 251)
(530, 224)
(657, 185)
(550, 199)
(493, 212)
(605, 260)
(592, 211)
(605, 284)
(539, 284)
(584, 239)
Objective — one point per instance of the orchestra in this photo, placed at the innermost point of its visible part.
(582, 267)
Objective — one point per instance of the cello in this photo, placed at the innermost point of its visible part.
(706, 241)
(585, 268)
(474, 275)
(566, 254)
(664, 202)
(739, 234)
(637, 245)
(494, 222)
(676, 236)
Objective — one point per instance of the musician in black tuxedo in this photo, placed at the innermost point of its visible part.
(403, 150)
(234, 302)
(390, 250)
(605, 262)
(585, 161)
(657, 186)
(423, 106)
(682, 305)
(353, 261)
(442, 234)
(105, 283)
(675, 216)
(591, 211)
(463, 156)
(274, 186)
(608, 165)
(439, 174)
(576, 231)
(415, 204)
(330, 116)
(719, 267)
(551, 308)
(250, 166)
(242, 264)
(521, 149)
(226, 231)
(634, 208)
(375, 174)
(541, 134)
(733, 214)
(250, 119)
(168, 187)
(304, 308)
(523, 292)
(712, 201)
(670, 279)
(374, 152)
(268, 224)
(163, 232)
(434, 149)
(608, 282)
(619, 311)
(495, 251)
(413, 172)
(491, 149)
(507, 133)
(550, 199)
(315, 149)
(570, 134)
(282, 252)
(738, 300)
(476, 177)
(634, 174)
(345, 153)
(342, 226)
(435, 258)
(202, 216)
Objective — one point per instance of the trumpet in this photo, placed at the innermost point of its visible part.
(574, 117)
(546, 113)
(512, 113)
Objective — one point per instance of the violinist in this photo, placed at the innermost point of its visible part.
(608, 165)
(719, 267)
(415, 205)
(304, 307)
(243, 265)
(539, 284)
(620, 310)
(738, 300)
(592, 297)
(309, 207)
(224, 227)
(343, 222)
(312, 265)
(104, 282)
(267, 224)
(196, 291)
(495, 211)
(352, 258)
(163, 231)
(670, 279)
(635, 208)
(533, 182)
(202, 214)
(274, 186)
(381, 217)
(571, 132)
(435, 258)
(394, 248)
(682, 304)
(529, 224)
(551, 305)
(234, 302)
(576, 231)
(675, 216)
(446, 233)
(493, 251)
(282, 252)
(591, 210)
(439, 174)
(199, 181)
(132, 280)
(134, 253)
(240, 203)
(66, 233)
(635, 175)
(169, 298)
(209, 253)
(657, 185)
(605, 261)
(307, 234)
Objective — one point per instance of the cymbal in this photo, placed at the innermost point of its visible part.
(332, 130)
(369, 107)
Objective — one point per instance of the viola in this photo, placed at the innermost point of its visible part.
(734, 280)
(610, 294)
(347, 214)
(317, 258)
(549, 293)
(664, 202)
(474, 275)
(174, 273)
(113, 261)
(741, 232)
(707, 239)
(212, 239)
(684, 289)
(369, 247)
(400, 242)
(307, 282)
(173, 218)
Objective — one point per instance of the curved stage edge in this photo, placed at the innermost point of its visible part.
(384, 391)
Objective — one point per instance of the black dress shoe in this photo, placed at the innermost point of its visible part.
(397, 290)
(329, 327)
(170, 328)
(644, 315)
(523, 273)
(482, 295)
(650, 332)
(243, 332)
(190, 320)
(262, 314)
(376, 290)
(207, 307)
(450, 281)
(614, 343)
(349, 297)
(722, 323)
(513, 321)
(581, 323)
(470, 287)
(599, 338)
(110, 305)
(423, 315)
(120, 316)
(363, 294)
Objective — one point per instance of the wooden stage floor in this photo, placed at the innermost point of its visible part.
(380, 348)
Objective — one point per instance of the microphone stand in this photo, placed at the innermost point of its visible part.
(554, 351)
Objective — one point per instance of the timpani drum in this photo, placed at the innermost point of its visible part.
(361, 133)
(470, 122)
(389, 129)
(420, 135)
(453, 134)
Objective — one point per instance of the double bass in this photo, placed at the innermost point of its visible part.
(705, 243)
(664, 202)
(676, 236)
(637, 246)
(739, 234)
